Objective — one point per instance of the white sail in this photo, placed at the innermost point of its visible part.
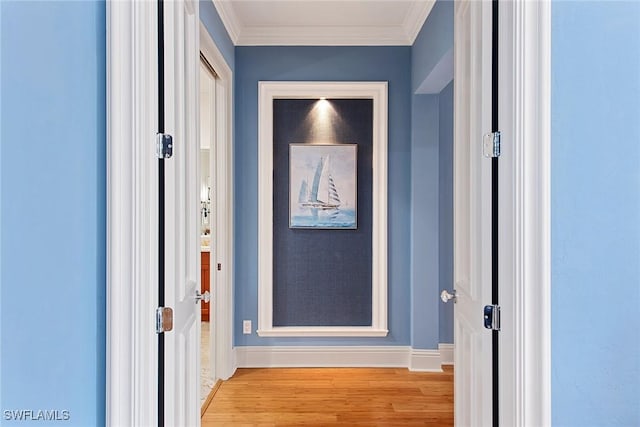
(323, 187)
(324, 193)
(304, 192)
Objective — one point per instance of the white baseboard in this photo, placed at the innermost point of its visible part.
(337, 356)
(321, 356)
(446, 353)
(425, 361)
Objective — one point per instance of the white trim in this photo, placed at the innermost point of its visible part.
(223, 279)
(131, 353)
(446, 353)
(525, 111)
(338, 356)
(425, 361)
(322, 357)
(324, 36)
(268, 91)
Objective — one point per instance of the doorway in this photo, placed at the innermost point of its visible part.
(128, 317)
(216, 218)
(207, 236)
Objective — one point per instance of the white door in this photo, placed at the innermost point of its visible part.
(182, 222)
(472, 213)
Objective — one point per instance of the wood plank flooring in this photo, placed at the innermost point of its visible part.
(333, 396)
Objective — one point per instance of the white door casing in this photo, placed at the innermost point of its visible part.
(472, 213)
(182, 221)
(132, 215)
(524, 41)
(221, 305)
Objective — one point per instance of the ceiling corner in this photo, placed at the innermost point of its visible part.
(416, 17)
(229, 18)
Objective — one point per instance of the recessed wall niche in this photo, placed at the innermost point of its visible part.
(324, 280)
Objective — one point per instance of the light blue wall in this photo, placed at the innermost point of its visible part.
(212, 22)
(595, 213)
(445, 213)
(431, 320)
(53, 192)
(434, 40)
(424, 221)
(431, 217)
(53, 206)
(322, 63)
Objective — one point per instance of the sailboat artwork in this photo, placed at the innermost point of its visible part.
(323, 186)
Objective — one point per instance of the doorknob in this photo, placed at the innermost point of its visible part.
(445, 296)
(206, 297)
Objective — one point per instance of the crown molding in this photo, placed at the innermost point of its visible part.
(330, 35)
(229, 18)
(323, 36)
(416, 17)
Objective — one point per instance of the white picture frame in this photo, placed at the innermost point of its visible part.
(268, 91)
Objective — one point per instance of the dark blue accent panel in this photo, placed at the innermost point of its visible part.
(322, 277)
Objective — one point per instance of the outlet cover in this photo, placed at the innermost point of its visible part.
(246, 327)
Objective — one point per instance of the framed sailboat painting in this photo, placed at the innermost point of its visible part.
(323, 186)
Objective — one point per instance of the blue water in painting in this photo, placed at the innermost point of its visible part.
(343, 218)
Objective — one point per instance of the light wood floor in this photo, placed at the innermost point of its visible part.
(333, 396)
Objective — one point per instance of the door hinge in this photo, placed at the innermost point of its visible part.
(219, 267)
(164, 146)
(491, 144)
(164, 319)
(492, 317)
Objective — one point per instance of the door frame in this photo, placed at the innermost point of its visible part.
(131, 359)
(132, 214)
(221, 280)
(524, 212)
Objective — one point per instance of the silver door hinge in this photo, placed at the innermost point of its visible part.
(164, 319)
(164, 146)
(491, 144)
(492, 317)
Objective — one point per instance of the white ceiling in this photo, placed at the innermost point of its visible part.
(323, 22)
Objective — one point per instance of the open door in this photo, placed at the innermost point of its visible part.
(472, 213)
(182, 221)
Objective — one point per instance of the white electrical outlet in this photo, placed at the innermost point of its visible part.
(246, 327)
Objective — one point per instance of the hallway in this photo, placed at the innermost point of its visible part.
(333, 396)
